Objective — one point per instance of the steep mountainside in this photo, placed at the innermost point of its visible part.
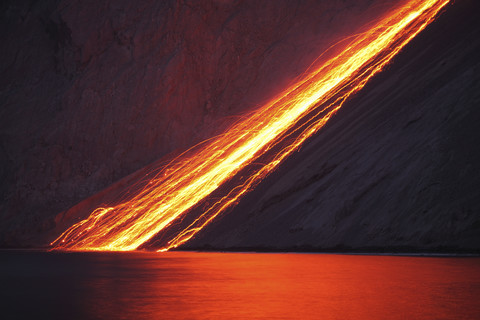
(94, 92)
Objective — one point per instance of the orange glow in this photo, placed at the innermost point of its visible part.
(281, 127)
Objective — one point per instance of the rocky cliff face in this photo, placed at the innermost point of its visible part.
(92, 91)
(398, 168)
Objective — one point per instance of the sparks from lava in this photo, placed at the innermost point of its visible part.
(190, 178)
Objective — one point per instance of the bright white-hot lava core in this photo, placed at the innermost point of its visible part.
(272, 132)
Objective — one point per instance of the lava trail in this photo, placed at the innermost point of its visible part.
(277, 128)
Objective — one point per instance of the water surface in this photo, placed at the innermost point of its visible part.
(192, 285)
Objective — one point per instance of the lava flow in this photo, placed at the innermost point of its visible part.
(278, 128)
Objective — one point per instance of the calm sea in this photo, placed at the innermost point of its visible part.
(192, 285)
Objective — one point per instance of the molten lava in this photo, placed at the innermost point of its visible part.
(279, 127)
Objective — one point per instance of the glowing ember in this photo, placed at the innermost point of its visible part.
(282, 125)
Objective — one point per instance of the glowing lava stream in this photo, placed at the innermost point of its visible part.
(295, 115)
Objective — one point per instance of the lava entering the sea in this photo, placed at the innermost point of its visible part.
(278, 128)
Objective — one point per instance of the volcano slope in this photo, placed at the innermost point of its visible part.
(397, 169)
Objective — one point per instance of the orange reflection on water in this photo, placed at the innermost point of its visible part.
(191, 285)
(313, 286)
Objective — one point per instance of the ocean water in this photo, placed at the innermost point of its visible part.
(195, 285)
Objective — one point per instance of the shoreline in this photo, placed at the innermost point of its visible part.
(439, 252)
